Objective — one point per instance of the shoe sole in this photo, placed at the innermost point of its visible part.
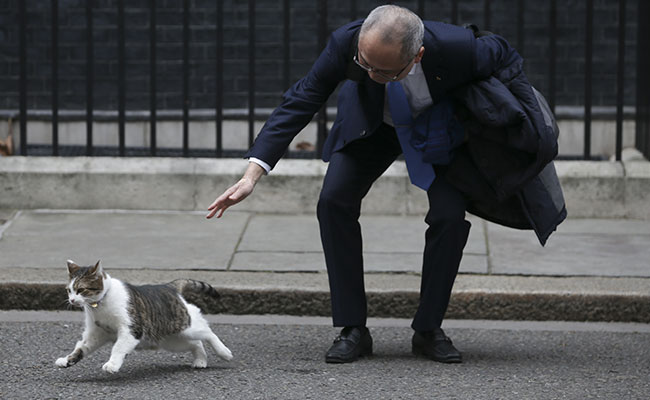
(338, 360)
(446, 360)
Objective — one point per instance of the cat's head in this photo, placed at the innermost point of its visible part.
(87, 285)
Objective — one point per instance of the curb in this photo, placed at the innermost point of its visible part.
(382, 304)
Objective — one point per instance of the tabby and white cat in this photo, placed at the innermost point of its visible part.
(142, 317)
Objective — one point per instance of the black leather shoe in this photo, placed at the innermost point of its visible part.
(436, 346)
(349, 345)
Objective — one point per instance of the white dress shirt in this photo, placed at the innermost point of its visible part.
(417, 93)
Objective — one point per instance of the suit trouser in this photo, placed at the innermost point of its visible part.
(350, 175)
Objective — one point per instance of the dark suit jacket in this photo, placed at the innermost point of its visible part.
(453, 60)
(452, 57)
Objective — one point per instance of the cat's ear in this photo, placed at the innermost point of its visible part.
(72, 267)
(97, 269)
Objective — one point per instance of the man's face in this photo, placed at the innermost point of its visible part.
(383, 59)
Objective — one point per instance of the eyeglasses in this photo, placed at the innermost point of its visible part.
(373, 70)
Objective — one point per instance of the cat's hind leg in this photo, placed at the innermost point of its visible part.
(200, 330)
(218, 346)
(182, 343)
(200, 356)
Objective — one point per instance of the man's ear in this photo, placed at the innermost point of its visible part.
(419, 56)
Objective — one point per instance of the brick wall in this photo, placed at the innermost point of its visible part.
(269, 47)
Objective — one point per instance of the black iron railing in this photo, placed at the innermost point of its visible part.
(642, 83)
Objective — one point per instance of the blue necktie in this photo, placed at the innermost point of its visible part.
(421, 173)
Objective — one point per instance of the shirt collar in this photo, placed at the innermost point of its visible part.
(415, 69)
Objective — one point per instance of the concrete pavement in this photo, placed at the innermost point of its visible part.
(144, 218)
(591, 269)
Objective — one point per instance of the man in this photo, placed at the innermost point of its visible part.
(404, 84)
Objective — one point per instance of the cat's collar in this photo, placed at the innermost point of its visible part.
(95, 304)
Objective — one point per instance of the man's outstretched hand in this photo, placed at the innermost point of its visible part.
(237, 192)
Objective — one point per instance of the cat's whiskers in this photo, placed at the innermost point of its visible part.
(66, 304)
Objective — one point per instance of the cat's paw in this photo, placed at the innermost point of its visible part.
(111, 367)
(200, 363)
(226, 354)
(62, 362)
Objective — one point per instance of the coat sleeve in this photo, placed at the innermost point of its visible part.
(304, 99)
(493, 53)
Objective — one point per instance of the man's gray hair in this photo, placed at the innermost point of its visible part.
(396, 24)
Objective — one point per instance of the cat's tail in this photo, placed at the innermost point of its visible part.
(198, 287)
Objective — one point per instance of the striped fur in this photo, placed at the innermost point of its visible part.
(198, 287)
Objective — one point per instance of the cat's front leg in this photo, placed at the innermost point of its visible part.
(72, 358)
(125, 344)
(91, 341)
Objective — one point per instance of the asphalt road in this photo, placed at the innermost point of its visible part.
(282, 358)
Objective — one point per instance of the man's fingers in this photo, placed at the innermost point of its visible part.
(213, 205)
(219, 210)
(233, 195)
(218, 203)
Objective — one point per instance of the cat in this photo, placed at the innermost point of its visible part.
(142, 317)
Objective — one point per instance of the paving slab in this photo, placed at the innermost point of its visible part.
(406, 234)
(391, 243)
(315, 262)
(281, 233)
(120, 239)
(270, 261)
(598, 247)
(605, 226)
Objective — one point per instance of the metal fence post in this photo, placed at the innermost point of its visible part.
(152, 77)
(589, 25)
(90, 77)
(22, 83)
(642, 80)
(251, 72)
(55, 77)
(620, 79)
